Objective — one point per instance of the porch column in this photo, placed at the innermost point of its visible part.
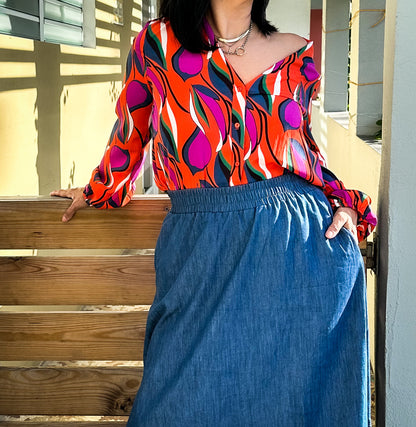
(397, 230)
(366, 66)
(335, 50)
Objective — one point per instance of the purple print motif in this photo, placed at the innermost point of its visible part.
(210, 128)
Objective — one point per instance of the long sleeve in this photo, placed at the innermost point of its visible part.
(339, 196)
(112, 182)
(334, 189)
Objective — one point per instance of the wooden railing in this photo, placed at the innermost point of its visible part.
(72, 324)
(62, 353)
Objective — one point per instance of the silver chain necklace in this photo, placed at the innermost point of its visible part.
(240, 50)
(236, 39)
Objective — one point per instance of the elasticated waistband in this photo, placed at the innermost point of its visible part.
(245, 196)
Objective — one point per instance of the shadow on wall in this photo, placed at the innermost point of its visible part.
(50, 84)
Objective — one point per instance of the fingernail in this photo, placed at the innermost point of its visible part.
(64, 219)
(330, 234)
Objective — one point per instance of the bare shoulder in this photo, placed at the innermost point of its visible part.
(264, 51)
(290, 42)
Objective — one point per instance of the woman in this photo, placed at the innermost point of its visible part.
(259, 317)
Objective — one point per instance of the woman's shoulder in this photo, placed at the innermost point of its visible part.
(157, 31)
(153, 29)
(289, 41)
(157, 26)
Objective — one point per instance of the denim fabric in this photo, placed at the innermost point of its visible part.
(258, 319)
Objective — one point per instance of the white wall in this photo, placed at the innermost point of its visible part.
(291, 16)
(397, 211)
(316, 4)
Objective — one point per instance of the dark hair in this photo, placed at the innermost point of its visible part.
(187, 17)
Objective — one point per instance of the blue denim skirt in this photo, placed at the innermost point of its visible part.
(258, 319)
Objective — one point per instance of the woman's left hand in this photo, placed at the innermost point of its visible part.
(343, 217)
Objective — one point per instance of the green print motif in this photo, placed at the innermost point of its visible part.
(225, 137)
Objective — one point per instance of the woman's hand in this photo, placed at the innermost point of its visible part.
(343, 217)
(78, 201)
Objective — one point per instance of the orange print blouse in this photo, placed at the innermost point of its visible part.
(209, 128)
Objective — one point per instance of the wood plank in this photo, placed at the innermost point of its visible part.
(115, 280)
(72, 335)
(63, 424)
(56, 421)
(68, 391)
(36, 224)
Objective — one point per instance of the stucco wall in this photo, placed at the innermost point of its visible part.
(397, 207)
(57, 104)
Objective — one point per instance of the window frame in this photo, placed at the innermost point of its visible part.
(87, 28)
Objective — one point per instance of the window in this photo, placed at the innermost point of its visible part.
(54, 21)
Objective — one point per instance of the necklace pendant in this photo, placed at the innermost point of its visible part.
(240, 51)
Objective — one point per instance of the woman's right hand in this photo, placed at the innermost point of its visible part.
(78, 201)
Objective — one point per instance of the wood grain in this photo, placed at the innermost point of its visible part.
(36, 224)
(116, 280)
(68, 391)
(72, 335)
(63, 424)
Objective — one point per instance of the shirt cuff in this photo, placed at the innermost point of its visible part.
(361, 203)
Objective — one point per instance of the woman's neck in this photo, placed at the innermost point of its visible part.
(230, 18)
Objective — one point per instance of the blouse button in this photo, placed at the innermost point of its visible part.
(237, 164)
(237, 125)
